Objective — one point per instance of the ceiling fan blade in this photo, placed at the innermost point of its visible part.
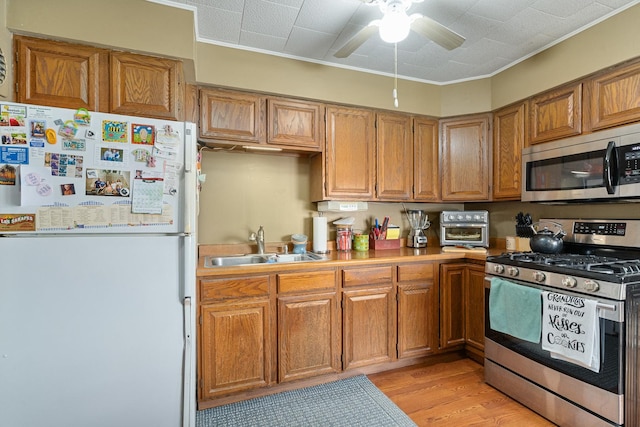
(357, 40)
(435, 31)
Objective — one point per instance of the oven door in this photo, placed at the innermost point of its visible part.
(600, 392)
(464, 234)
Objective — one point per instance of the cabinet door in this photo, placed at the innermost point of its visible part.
(417, 310)
(146, 86)
(474, 302)
(235, 347)
(368, 326)
(465, 158)
(395, 156)
(228, 116)
(350, 154)
(61, 74)
(426, 169)
(417, 319)
(295, 123)
(556, 114)
(452, 316)
(308, 336)
(614, 97)
(508, 141)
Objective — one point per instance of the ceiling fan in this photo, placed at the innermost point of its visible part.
(396, 24)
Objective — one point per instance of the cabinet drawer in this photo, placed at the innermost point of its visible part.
(311, 281)
(234, 287)
(413, 272)
(366, 276)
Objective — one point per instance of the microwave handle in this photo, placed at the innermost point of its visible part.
(610, 167)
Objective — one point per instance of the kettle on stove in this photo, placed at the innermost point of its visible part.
(545, 240)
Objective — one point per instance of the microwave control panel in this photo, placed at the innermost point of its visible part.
(629, 156)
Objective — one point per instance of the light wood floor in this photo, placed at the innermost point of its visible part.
(452, 394)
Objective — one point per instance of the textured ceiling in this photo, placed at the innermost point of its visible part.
(499, 33)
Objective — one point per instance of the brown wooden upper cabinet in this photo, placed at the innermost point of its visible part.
(465, 162)
(61, 74)
(74, 76)
(613, 98)
(509, 130)
(146, 85)
(230, 116)
(426, 170)
(556, 114)
(295, 123)
(349, 170)
(394, 144)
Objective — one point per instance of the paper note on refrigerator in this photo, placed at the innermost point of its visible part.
(147, 193)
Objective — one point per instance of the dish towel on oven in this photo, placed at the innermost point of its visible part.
(571, 329)
(515, 309)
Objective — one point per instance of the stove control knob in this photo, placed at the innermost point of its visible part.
(569, 282)
(591, 285)
(539, 276)
(498, 268)
(513, 271)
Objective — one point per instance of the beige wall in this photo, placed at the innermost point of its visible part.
(236, 68)
(244, 191)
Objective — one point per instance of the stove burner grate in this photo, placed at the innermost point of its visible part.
(580, 264)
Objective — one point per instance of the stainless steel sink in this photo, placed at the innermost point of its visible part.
(252, 259)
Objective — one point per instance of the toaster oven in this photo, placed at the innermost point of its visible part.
(464, 228)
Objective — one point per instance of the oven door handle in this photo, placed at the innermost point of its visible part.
(610, 168)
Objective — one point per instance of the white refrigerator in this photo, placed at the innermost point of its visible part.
(97, 269)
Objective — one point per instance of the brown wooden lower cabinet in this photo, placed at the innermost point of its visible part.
(368, 326)
(462, 307)
(235, 348)
(258, 331)
(452, 318)
(308, 325)
(474, 310)
(307, 336)
(417, 310)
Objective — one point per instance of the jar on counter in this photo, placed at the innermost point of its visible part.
(361, 242)
(344, 234)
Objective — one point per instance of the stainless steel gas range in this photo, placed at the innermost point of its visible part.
(599, 265)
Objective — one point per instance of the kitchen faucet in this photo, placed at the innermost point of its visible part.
(259, 239)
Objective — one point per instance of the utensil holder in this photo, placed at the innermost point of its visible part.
(384, 244)
(524, 231)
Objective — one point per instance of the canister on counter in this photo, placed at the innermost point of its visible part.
(361, 242)
(344, 235)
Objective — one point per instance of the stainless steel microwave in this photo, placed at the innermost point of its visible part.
(600, 165)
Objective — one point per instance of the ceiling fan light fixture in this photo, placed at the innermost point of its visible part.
(395, 25)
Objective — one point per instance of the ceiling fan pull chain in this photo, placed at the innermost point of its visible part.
(395, 76)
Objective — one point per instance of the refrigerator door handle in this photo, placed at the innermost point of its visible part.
(191, 187)
(188, 407)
